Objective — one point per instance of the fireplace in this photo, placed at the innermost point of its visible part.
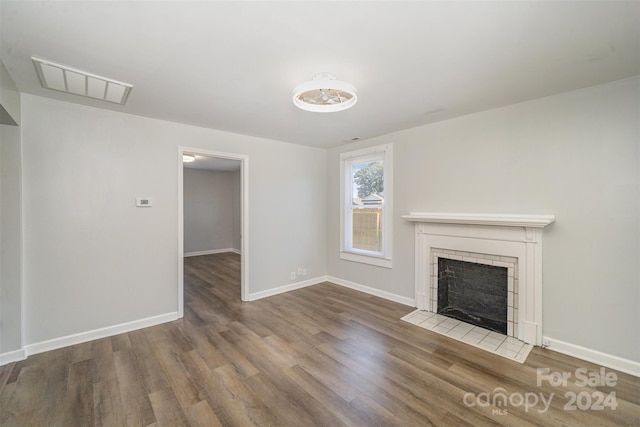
(473, 293)
(511, 243)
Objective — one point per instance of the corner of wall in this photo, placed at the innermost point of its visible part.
(9, 99)
(11, 303)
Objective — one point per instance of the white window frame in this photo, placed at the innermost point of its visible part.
(347, 252)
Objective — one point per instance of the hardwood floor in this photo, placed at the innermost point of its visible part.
(322, 355)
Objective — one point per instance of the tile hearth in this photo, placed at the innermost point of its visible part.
(496, 343)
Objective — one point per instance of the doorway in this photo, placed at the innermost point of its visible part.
(214, 160)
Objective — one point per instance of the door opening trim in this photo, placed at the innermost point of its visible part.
(244, 219)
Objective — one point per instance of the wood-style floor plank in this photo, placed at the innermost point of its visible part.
(318, 356)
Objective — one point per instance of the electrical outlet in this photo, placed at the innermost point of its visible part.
(293, 275)
(299, 271)
(304, 271)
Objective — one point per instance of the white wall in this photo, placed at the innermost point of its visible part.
(10, 220)
(574, 155)
(208, 210)
(10, 239)
(92, 259)
(9, 95)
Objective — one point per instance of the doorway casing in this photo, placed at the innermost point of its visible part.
(244, 219)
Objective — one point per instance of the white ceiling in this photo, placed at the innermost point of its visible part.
(214, 163)
(233, 65)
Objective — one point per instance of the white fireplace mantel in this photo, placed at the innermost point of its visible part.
(515, 236)
(536, 221)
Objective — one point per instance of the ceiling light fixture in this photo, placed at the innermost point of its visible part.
(70, 80)
(324, 94)
(188, 158)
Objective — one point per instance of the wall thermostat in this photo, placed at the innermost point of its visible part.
(143, 202)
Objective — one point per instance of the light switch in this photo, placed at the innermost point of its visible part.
(143, 202)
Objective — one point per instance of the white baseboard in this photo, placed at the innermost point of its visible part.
(12, 356)
(341, 282)
(211, 252)
(604, 359)
(286, 288)
(411, 302)
(95, 334)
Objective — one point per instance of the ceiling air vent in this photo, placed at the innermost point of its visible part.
(77, 82)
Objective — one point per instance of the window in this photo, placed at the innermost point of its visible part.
(366, 208)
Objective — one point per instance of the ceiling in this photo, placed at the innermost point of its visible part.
(213, 163)
(233, 65)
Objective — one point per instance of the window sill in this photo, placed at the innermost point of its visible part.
(366, 259)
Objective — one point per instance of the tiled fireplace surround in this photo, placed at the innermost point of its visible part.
(511, 241)
(510, 263)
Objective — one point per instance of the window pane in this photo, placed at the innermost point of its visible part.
(367, 180)
(367, 229)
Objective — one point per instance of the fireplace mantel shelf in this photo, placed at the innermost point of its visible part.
(504, 220)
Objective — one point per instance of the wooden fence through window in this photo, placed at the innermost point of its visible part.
(367, 229)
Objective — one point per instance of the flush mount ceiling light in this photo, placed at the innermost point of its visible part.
(70, 80)
(188, 158)
(325, 94)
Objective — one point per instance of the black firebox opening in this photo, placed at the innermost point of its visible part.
(473, 293)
